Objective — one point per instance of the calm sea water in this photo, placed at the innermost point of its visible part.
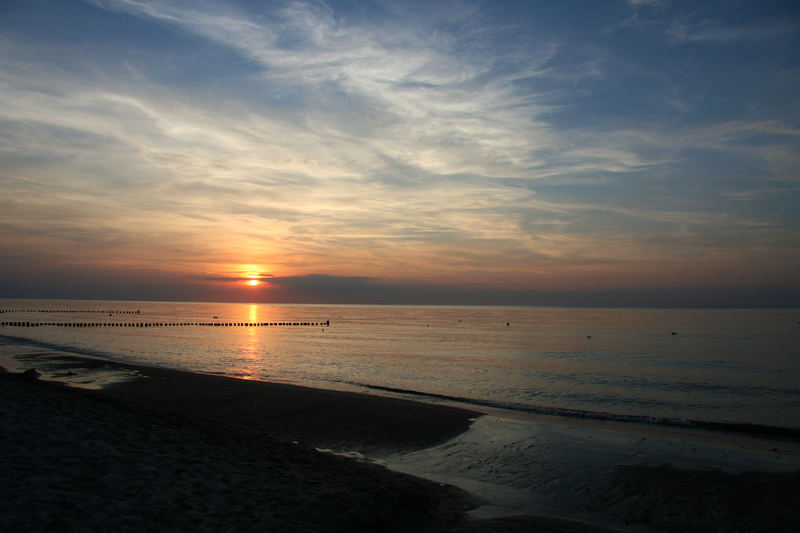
(733, 366)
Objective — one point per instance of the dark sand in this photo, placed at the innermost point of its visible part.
(178, 451)
(317, 417)
(676, 500)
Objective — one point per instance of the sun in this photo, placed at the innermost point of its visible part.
(252, 275)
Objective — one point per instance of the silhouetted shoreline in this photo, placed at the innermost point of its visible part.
(174, 449)
(185, 451)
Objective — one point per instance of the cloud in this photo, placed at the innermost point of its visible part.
(681, 31)
(366, 290)
(436, 143)
(233, 278)
(434, 100)
(393, 123)
(739, 127)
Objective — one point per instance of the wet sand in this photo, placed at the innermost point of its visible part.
(177, 451)
(317, 417)
(168, 450)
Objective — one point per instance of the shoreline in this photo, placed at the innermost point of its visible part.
(321, 418)
(326, 418)
(136, 457)
(597, 472)
(112, 371)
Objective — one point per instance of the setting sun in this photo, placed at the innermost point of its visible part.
(252, 275)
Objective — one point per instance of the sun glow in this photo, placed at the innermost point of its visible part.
(252, 275)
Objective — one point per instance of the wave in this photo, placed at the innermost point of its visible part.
(732, 427)
(647, 383)
(24, 341)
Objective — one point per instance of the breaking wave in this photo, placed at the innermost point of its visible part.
(733, 427)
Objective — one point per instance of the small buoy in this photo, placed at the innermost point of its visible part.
(674, 332)
(588, 336)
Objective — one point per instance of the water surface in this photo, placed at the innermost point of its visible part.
(732, 366)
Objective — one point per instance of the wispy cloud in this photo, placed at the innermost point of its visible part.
(431, 99)
(387, 108)
(435, 142)
(710, 31)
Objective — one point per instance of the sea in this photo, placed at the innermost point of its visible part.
(655, 366)
(730, 370)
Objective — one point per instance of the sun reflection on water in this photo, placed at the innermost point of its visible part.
(246, 362)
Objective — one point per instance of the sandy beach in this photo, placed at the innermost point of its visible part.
(179, 451)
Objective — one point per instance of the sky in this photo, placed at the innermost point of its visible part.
(579, 152)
